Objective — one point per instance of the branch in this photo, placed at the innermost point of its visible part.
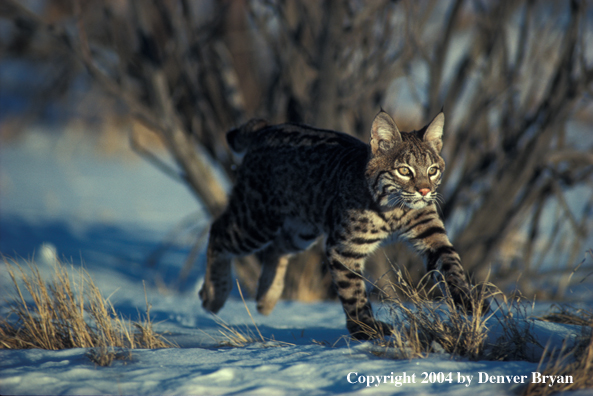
(155, 160)
(438, 62)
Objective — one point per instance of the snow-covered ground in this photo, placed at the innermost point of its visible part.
(60, 194)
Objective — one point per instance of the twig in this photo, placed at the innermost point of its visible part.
(154, 160)
(249, 312)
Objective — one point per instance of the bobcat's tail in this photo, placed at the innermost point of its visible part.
(240, 138)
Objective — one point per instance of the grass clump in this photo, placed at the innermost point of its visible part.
(575, 361)
(67, 313)
(237, 337)
(422, 326)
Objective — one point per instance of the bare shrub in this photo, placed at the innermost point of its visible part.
(513, 76)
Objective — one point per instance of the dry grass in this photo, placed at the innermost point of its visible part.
(566, 314)
(576, 361)
(243, 336)
(237, 337)
(423, 326)
(70, 313)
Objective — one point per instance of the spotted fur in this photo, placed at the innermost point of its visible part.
(297, 183)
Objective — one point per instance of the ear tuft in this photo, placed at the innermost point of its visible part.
(384, 133)
(434, 132)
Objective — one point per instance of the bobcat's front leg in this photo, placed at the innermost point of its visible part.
(446, 263)
(446, 266)
(441, 258)
(346, 269)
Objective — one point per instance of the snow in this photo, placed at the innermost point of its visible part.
(110, 214)
(298, 369)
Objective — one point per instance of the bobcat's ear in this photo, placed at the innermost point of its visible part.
(434, 132)
(384, 133)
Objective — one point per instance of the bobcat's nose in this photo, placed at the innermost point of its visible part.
(424, 191)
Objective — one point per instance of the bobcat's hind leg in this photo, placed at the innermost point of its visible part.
(217, 281)
(228, 238)
(271, 280)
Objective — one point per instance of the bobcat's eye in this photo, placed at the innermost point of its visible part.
(433, 171)
(404, 171)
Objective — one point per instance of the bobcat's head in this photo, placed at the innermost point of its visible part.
(405, 168)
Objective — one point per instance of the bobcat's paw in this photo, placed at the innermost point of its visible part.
(265, 306)
(212, 300)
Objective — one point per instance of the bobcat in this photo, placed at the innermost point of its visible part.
(297, 183)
